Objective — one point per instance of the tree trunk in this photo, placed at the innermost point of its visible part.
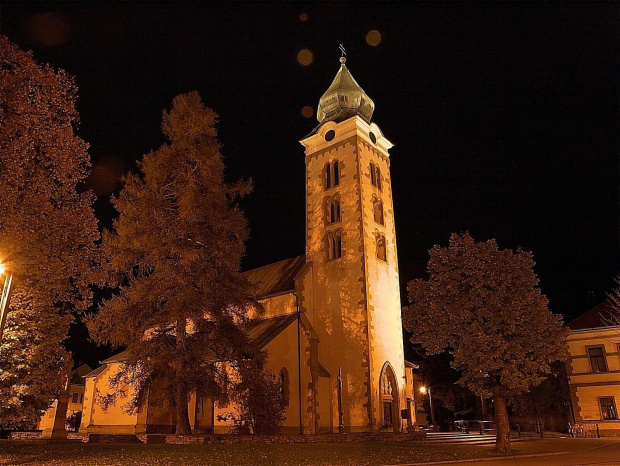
(502, 442)
(183, 425)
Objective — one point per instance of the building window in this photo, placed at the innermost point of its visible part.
(75, 397)
(375, 175)
(331, 173)
(334, 245)
(378, 211)
(285, 390)
(596, 354)
(381, 248)
(608, 408)
(332, 209)
(327, 172)
(336, 167)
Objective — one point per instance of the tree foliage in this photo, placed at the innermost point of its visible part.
(484, 306)
(174, 255)
(547, 404)
(48, 231)
(259, 399)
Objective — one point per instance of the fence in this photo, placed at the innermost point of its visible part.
(473, 426)
(584, 430)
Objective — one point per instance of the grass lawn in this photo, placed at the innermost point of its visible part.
(362, 453)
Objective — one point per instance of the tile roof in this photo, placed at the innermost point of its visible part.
(276, 278)
(596, 317)
(262, 331)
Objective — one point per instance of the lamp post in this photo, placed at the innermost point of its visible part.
(7, 279)
(423, 390)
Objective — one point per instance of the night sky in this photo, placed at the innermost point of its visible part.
(504, 116)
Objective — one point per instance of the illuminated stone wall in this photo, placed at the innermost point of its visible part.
(115, 419)
(356, 301)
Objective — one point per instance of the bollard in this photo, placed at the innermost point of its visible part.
(519, 430)
(480, 423)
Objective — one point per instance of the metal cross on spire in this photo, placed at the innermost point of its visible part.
(342, 58)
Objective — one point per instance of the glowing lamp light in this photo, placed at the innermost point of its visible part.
(423, 389)
(2, 268)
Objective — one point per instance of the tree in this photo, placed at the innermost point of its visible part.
(612, 316)
(74, 421)
(48, 231)
(484, 306)
(260, 401)
(175, 254)
(548, 404)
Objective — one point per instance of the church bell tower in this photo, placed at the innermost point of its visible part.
(351, 244)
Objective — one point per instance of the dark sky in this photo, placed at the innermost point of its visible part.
(504, 116)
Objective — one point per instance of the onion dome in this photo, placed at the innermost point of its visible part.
(344, 98)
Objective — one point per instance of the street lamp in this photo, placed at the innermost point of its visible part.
(423, 390)
(7, 279)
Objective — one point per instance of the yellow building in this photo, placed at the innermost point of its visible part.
(332, 325)
(593, 368)
(75, 402)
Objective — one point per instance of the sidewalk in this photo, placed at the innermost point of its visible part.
(553, 452)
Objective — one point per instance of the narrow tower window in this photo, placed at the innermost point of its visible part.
(381, 248)
(379, 185)
(336, 173)
(338, 241)
(378, 212)
(327, 172)
(373, 179)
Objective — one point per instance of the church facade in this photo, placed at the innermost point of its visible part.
(332, 325)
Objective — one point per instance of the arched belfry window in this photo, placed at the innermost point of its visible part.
(332, 209)
(378, 211)
(284, 385)
(331, 174)
(334, 245)
(381, 248)
(375, 175)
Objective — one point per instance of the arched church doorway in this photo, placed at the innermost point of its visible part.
(389, 399)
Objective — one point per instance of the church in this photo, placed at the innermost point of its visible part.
(332, 325)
